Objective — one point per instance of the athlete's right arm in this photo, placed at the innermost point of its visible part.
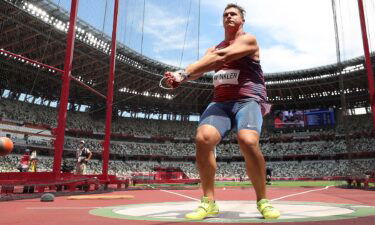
(214, 59)
(174, 79)
(196, 74)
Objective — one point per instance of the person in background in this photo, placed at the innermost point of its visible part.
(25, 161)
(83, 157)
(33, 161)
(278, 122)
(268, 175)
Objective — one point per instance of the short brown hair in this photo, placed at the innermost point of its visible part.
(242, 10)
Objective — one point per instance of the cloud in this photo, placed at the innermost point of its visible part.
(164, 33)
(167, 33)
(286, 59)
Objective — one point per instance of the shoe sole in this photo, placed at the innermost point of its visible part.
(272, 217)
(211, 215)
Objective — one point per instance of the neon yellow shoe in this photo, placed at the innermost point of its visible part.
(267, 210)
(205, 209)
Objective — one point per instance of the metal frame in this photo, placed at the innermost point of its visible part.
(370, 73)
(111, 79)
(60, 131)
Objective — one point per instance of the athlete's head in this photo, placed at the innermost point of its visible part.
(233, 16)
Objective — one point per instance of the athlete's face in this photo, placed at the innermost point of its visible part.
(232, 18)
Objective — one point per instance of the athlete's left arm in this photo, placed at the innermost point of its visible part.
(214, 59)
(242, 46)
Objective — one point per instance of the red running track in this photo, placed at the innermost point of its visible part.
(71, 212)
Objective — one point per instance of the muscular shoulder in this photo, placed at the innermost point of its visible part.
(247, 39)
(249, 42)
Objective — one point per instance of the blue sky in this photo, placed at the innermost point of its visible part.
(293, 34)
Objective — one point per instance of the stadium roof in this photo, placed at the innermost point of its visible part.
(37, 30)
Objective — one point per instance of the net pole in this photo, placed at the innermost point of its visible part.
(60, 131)
(348, 142)
(370, 74)
(111, 79)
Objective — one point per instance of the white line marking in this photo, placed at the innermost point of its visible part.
(300, 193)
(275, 199)
(171, 192)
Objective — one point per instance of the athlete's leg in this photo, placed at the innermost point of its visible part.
(214, 124)
(255, 164)
(206, 140)
(249, 123)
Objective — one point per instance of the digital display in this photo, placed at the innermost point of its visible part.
(303, 118)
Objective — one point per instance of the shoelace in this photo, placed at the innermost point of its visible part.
(203, 206)
(271, 208)
(268, 207)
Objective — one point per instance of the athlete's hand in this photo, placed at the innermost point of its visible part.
(174, 79)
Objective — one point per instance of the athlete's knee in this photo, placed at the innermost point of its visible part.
(250, 142)
(207, 137)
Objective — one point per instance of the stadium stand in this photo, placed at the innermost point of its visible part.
(36, 122)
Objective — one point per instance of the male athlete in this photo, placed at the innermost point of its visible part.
(239, 102)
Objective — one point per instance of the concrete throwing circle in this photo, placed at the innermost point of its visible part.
(236, 211)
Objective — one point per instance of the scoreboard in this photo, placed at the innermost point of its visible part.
(319, 117)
